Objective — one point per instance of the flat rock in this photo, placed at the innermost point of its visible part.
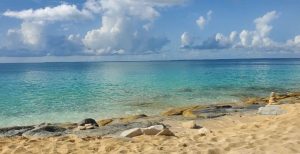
(45, 131)
(271, 110)
(153, 130)
(104, 122)
(113, 129)
(132, 117)
(132, 132)
(14, 131)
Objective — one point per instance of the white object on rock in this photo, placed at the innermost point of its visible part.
(189, 124)
(153, 130)
(166, 132)
(272, 98)
(271, 110)
(204, 131)
(81, 128)
(132, 132)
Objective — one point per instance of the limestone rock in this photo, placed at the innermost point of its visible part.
(132, 117)
(153, 130)
(132, 132)
(104, 122)
(165, 132)
(190, 124)
(189, 114)
(204, 131)
(175, 111)
(271, 110)
(14, 131)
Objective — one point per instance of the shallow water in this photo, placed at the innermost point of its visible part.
(60, 92)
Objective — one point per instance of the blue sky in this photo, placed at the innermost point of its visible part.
(88, 30)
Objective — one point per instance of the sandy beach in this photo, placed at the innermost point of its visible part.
(246, 132)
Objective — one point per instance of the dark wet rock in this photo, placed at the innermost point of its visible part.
(114, 128)
(14, 131)
(88, 121)
(45, 131)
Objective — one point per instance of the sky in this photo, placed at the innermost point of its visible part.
(104, 30)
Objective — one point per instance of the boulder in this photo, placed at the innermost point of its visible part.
(153, 130)
(271, 110)
(88, 121)
(204, 131)
(104, 122)
(165, 132)
(190, 124)
(132, 132)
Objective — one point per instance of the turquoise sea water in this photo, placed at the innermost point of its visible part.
(62, 92)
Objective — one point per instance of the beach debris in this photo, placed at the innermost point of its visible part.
(204, 131)
(88, 121)
(272, 98)
(104, 122)
(271, 110)
(153, 130)
(132, 132)
(190, 124)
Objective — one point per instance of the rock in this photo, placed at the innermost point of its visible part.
(271, 110)
(190, 124)
(14, 131)
(81, 128)
(165, 132)
(204, 131)
(88, 121)
(132, 132)
(175, 111)
(131, 118)
(153, 130)
(104, 122)
(67, 125)
(45, 131)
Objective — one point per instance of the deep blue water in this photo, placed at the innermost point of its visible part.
(60, 92)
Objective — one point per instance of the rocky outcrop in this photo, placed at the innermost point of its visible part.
(45, 130)
(14, 131)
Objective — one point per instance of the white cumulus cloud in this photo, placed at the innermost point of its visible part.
(203, 21)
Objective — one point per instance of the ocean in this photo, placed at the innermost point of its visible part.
(33, 93)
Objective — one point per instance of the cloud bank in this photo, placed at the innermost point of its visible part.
(257, 39)
(125, 29)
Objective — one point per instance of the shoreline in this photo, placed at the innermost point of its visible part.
(214, 117)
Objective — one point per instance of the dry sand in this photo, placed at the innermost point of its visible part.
(249, 133)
